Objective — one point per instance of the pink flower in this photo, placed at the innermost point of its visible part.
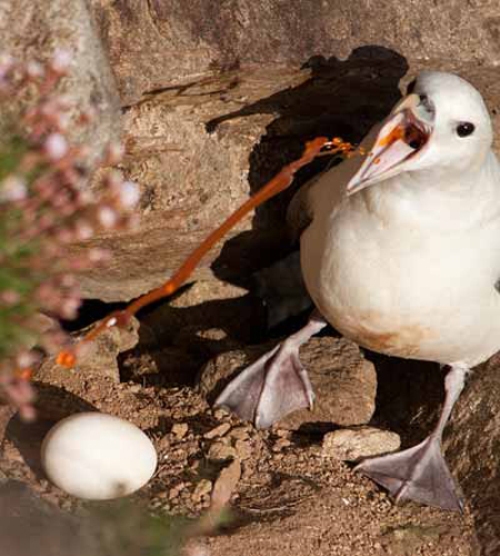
(56, 146)
(129, 194)
(61, 60)
(12, 189)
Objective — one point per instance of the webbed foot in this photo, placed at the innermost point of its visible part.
(275, 385)
(419, 474)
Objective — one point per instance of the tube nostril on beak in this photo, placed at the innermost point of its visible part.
(415, 137)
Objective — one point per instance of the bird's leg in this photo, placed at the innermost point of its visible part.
(276, 384)
(420, 473)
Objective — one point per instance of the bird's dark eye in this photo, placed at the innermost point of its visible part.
(465, 128)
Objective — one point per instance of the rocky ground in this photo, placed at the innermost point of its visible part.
(211, 99)
(291, 487)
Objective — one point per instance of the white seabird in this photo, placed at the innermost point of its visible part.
(401, 255)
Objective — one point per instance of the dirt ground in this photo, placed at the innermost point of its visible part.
(289, 498)
(286, 494)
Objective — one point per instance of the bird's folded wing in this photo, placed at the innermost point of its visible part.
(326, 190)
(299, 213)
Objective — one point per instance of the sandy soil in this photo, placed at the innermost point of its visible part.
(285, 495)
(289, 497)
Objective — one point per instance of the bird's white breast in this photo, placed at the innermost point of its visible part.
(407, 275)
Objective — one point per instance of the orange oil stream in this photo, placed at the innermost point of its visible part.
(394, 135)
(279, 183)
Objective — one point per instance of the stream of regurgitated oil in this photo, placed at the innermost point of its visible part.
(279, 183)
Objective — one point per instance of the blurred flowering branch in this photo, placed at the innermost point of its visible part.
(45, 204)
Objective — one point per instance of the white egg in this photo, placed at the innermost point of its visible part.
(97, 456)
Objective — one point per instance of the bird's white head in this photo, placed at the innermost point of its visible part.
(442, 125)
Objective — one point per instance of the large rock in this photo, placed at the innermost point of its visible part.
(164, 43)
(190, 181)
(35, 29)
(345, 383)
(359, 443)
(30, 526)
(218, 96)
(198, 153)
(473, 450)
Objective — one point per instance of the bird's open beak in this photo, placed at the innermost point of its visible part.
(401, 137)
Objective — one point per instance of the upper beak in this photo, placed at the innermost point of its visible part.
(401, 136)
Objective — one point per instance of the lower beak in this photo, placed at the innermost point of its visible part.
(401, 137)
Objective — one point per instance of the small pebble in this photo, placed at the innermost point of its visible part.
(194, 547)
(243, 449)
(239, 433)
(135, 388)
(163, 443)
(203, 488)
(194, 465)
(220, 414)
(179, 430)
(356, 444)
(218, 431)
(163, 494)
(281, 444)
(219, 451)
(175, 491)
(226, 484)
